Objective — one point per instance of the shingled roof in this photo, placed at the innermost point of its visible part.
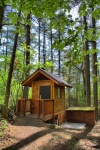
(56, 79)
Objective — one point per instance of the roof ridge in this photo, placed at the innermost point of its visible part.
(56, 79)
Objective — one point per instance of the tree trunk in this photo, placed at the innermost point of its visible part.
(94, 61)
(26, 89)
(77, 87)
(59, 55)
(2, 7)
(39, 41)
(84, 84)
(8, 86)
(44, 51)
(51, 50)
(69, 80)
(87, 67)
(7, 42)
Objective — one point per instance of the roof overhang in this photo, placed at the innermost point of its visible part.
(37, 73)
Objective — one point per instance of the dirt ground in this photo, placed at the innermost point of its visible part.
(29, 133)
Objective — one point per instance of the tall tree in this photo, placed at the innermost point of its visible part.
(51, 49)
(25, 91)
(69, 79)
(9, 79)
(2, 7)
(94, 69)
(39, 40)
(44, 44)
(59, 53)
(87, 65)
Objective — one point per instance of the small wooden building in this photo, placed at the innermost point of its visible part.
(81, 115)
(48, 95)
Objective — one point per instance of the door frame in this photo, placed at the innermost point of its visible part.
(41, 102)
(50, 91)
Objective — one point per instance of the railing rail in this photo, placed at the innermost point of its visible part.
(23, 106)
(43, 108)
(46, 109)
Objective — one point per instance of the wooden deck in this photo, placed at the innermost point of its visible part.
(43, 109)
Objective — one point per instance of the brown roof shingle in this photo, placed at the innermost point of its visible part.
(56, 79)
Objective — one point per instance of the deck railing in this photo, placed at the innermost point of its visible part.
(23, 106)
(46, 109)
(43, 108)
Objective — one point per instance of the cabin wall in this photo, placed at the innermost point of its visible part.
(59, 103)
(36, 88)
(59, 99)
(36, 93)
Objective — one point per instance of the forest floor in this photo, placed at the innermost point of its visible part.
(32, 134)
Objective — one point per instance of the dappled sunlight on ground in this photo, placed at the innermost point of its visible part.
(33, 134)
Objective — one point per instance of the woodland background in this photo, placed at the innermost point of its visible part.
(61, 36)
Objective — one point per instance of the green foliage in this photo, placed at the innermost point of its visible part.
(60, 45)
(96, 13)
(3, 126)
(89, 35)
(47, 65)
(94, 78)
(57, 16)
(4, 67)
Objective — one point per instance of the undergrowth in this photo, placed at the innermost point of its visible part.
(3, 126)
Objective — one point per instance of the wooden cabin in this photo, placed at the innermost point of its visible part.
(48, 96)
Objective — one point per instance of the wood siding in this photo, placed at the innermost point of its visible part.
(59, 103)
(36, 88)
(62, 117)
(80, 116)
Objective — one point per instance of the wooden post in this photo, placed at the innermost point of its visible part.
(53, 113)
(24, 107)
(38, 114)
(30, 106)
(43, 109)
(17, 107)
